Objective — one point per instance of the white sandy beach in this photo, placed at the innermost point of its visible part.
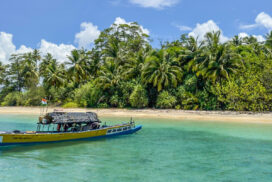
(248, 117)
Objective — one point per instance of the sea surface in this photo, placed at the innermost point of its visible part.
(163, 151)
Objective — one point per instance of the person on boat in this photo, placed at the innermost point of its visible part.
(58, 127)
(65, 127)
(95, 125)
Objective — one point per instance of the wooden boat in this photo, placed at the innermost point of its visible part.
(67, 126)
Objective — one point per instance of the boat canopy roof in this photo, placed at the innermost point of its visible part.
(71, 117)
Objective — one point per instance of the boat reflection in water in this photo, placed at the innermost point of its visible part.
(67, 126)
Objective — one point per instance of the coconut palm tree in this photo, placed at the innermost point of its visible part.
(94, 63)
(78, 63)
(109, 75)
(54, 74)
(161, 70)
(45, 63)
(221, 63)
(30, 70)
(135, 63)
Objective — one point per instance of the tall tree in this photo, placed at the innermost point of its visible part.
(78, 63)
(161, 70)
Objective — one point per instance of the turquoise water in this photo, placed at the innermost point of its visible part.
(164, 150)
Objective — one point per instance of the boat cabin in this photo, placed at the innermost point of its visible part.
(68, 122)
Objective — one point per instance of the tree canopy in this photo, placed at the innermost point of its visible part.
(122, 69)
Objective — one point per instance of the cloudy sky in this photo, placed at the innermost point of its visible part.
(58, 26)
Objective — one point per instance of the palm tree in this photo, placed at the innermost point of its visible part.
(94, 63)
(54, 74)
(109, 75)
(161, 70)
(15, 72)
(78, 63)
(192, 48)
(30, 70)
(135, 63)
(114, 51)
(46, 61)
(236, 40)
(221, 63)
(216, 61)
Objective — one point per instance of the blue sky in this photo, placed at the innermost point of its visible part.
(57, 26)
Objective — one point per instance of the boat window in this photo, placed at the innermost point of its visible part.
(109, 131)
(114, 130)
(119, 129)
(129, 127)
(125, 128)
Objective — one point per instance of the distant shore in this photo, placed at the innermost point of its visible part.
(249, 117)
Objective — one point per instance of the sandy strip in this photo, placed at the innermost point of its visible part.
(247, 117)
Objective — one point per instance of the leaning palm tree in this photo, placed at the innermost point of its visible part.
(161, 70)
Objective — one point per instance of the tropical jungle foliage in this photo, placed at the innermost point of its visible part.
(123, 70)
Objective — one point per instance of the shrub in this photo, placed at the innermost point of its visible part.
(138, 97)
(126, 88)
(13, 99)
(87, 95)
(114, 100)
(186, 99)
(102, 105)
(70, 105)
(33, 96)
(165, 100)
(190, 83)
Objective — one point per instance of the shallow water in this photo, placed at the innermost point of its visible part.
(164, 150)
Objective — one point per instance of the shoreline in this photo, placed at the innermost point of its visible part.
(187, 115)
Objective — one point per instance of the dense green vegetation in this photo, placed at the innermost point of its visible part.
(123, 70)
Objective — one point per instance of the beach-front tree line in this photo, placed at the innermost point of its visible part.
(123, 70)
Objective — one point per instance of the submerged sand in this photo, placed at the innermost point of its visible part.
(249, 117)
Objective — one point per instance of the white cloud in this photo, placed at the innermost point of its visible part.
(248, 26)
(60, 52)
(259, 38)
(183, 28)
(120, 20)
(87, 35)
(23, 49)
(243, 35)
(202, 29)
(262, 20)
(157, 4)
(7, 47)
